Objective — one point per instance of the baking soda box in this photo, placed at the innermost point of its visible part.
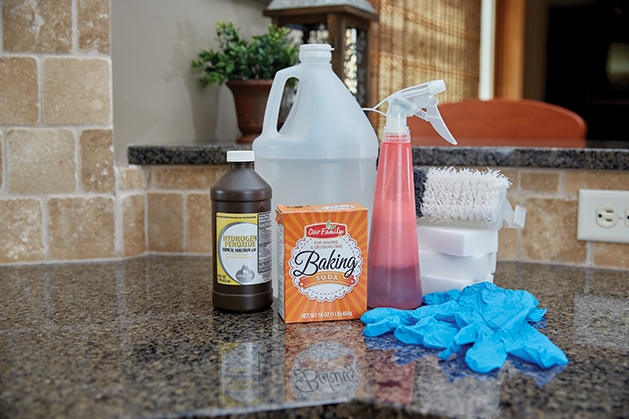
(323, 252)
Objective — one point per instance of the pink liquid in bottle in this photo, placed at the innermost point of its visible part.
(393, 264)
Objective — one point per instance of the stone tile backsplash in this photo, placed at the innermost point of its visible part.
(76, 91)
(19, 100)
(199, 225)
(62, 198)
(550, 232)
(179, 197)
(22, 231)
(165, 222)
(41, 27)
(133, 219)
(58, 197)
(97, 161)
(1, 160)
(81, 228)
(93, 25)
(41, 161)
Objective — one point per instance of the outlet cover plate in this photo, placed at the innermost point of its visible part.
(603, 216)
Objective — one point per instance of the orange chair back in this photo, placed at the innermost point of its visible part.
(504, 122)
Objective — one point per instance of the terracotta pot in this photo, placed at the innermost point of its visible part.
(250, 97)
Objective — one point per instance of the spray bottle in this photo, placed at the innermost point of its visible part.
(394, 279)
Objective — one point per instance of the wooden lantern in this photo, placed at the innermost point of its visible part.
(342, 24)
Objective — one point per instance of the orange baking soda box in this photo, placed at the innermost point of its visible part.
(322, 262)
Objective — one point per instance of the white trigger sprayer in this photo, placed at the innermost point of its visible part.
(411, 102)
(393, 263)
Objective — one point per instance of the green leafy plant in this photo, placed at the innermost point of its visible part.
(238, 59)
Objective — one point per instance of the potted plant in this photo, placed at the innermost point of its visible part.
(248, 68)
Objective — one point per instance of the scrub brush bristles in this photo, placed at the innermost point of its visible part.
(466, 194)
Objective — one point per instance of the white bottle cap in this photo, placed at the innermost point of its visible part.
(315, 51)
(240, 156)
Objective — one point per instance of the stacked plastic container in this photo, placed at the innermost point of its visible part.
(453, 258)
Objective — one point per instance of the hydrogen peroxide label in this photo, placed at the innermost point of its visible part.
(243, 246)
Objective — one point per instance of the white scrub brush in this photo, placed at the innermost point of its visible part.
(464, 198)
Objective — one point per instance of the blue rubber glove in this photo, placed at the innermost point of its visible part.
(382, 320)
(494, 320)
(379, 321)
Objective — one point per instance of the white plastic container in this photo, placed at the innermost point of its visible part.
(326, 151)
(432, 283)
(475, 267)
(457, 241)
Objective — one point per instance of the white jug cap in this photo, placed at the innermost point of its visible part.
(240, 156)
(315, 51)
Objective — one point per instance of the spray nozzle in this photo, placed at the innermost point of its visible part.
(419, 101)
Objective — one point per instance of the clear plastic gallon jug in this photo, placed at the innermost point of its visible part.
(326, 151)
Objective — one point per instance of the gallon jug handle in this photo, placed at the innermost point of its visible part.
(271, 114)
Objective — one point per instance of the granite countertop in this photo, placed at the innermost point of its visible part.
(140, 338)
(566, 158)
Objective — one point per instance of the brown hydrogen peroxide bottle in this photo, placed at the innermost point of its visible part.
(241, 237)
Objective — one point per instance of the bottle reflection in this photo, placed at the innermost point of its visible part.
(447, 393)
(325, 370)
(249, 357)
(240, 373)
(390, 381)
(324, 361)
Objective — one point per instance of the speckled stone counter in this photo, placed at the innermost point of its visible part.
(566, 158)
(139, 338)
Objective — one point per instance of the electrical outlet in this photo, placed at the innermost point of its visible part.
(606, 216)
(603, 216)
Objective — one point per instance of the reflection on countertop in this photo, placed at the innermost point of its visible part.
(139, 338)
(560, 158)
